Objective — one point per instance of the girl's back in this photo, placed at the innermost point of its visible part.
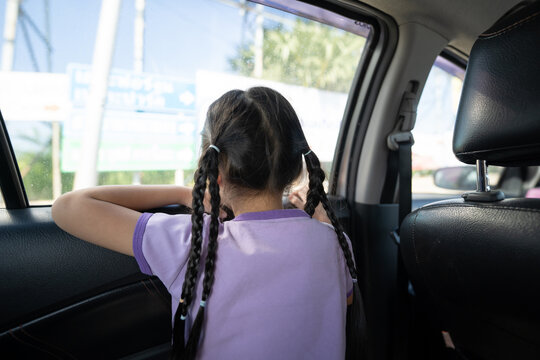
(281, 283)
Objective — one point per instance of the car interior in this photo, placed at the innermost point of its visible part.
(454, 281)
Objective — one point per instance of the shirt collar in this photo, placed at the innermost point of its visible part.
(271, 214)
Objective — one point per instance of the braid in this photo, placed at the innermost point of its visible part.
(215, 200)
(316, 195)
(356, 320)
(190, 280)
(196, 238)
(316, 189)
(208, 170)
(340, 235)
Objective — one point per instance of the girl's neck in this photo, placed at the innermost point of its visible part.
(255, 203)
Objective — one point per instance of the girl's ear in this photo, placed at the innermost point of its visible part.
(219, 179)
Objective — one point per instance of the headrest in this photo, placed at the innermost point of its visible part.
(499, 112)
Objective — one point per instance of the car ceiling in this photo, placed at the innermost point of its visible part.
(459, 21)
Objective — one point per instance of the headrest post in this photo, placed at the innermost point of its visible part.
(482, 179)
(483, 191)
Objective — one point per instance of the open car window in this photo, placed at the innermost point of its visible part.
(161, 82)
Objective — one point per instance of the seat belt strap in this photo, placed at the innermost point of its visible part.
(400, 142)
(402, 281)
(405, 176)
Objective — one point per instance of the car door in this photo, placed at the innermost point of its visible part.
(64, 298)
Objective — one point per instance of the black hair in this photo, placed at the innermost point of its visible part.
(260, 144)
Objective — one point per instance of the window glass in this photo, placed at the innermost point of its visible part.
(436, 116)
(436, 170)
(170, 60)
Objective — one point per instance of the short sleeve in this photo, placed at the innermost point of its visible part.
(161, 245)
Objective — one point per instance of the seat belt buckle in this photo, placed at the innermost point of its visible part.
(393, 140)
(405, 120)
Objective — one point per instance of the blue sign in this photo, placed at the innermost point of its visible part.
(149, 122)
(134, 91)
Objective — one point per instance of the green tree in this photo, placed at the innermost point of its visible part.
(308, 54)
(36, 173)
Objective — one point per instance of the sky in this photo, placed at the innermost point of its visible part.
(180, 36)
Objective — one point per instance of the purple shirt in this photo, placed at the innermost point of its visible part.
(280, 289)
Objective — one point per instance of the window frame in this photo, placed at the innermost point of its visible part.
(11, 183)
(363, 96)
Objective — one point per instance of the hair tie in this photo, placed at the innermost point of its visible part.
(203, 303)
(182, 317)
(354, 280)
(215, 148)
(309, 152)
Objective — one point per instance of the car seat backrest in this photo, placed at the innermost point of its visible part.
(475, 261)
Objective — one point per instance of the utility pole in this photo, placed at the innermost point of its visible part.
(259, 40)
(139, 36)
(55, 138)
(48, 35)
(10, 27)
(138, 55)
(87, 174)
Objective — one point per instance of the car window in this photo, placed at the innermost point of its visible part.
(436, 116)
(162, 79)
(435, 168)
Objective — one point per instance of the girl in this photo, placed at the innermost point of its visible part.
(270, 284)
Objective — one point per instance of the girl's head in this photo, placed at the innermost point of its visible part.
(260, 140)
(254, 140)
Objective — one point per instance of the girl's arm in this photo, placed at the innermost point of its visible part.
(106, 215)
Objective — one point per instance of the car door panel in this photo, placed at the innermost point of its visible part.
(126, 320)
(57, 290)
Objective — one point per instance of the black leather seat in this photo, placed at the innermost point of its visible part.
(476, 260)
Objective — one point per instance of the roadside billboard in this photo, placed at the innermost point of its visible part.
(149, 122)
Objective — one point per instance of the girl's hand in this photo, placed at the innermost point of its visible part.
(298, 199)
(208, 208)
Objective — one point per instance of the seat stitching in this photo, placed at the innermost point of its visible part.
(508, 28)
(476, 152)
(482, 207)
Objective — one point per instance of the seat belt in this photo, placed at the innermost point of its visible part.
(399, 167)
